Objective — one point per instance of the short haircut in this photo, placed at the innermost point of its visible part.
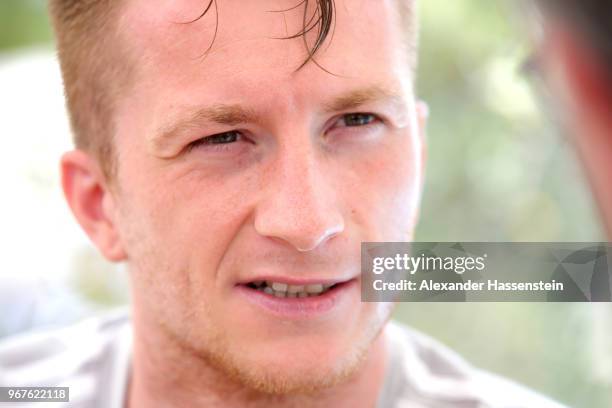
(93, 68)
(593, 18)
(96, 66)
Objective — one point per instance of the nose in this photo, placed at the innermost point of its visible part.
(298, 204)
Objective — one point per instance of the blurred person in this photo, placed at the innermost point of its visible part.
(575, 58)
(574, 55)
(235, 154)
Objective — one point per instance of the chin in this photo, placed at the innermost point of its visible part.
(299, 364)
(285, 358)
(301, 370)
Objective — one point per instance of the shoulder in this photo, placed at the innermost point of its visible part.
(88, 356)
(423, 369)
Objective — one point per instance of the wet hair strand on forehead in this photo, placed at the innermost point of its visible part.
(322, 19)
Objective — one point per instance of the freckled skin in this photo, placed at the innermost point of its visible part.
(296, 199)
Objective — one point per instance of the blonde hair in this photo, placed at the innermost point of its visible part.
(94, 70)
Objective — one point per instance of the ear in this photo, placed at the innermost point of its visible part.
(91, 202)
(584, 72)
(588, 91)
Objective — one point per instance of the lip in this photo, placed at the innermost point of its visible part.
(299, 308)
(295, 281)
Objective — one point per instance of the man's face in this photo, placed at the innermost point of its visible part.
(301, 168)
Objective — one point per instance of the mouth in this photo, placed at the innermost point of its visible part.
(284, 290)
(299, 299)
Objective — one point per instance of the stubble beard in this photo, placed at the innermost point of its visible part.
(259, 381)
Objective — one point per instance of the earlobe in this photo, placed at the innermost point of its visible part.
(91, 202)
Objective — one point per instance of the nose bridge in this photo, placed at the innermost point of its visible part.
(298, 205)
(299, 172)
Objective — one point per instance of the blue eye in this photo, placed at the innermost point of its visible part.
(218, 139)
(358, 119)
(222, 138)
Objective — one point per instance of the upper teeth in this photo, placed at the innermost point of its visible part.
(279, 289)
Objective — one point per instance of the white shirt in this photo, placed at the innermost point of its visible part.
(93, 359)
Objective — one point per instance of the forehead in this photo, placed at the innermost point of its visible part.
(177, 56)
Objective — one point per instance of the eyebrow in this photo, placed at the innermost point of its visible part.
(234, 114)
(356, 98)
(229, 115)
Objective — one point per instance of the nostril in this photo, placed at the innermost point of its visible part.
(302, 223)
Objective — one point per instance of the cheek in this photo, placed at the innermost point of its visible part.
(177, 234)
(185, 218)
(386, 191)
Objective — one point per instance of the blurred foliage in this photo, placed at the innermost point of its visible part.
(23, 23)
(104, 284)
(497, 171)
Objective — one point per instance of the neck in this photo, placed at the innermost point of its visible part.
(176, 378)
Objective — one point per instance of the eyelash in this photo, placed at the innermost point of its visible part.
(209, 140)
(363, 119)
(370, 118)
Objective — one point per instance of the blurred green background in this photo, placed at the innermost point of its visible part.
(498, 170)
(23, 23)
